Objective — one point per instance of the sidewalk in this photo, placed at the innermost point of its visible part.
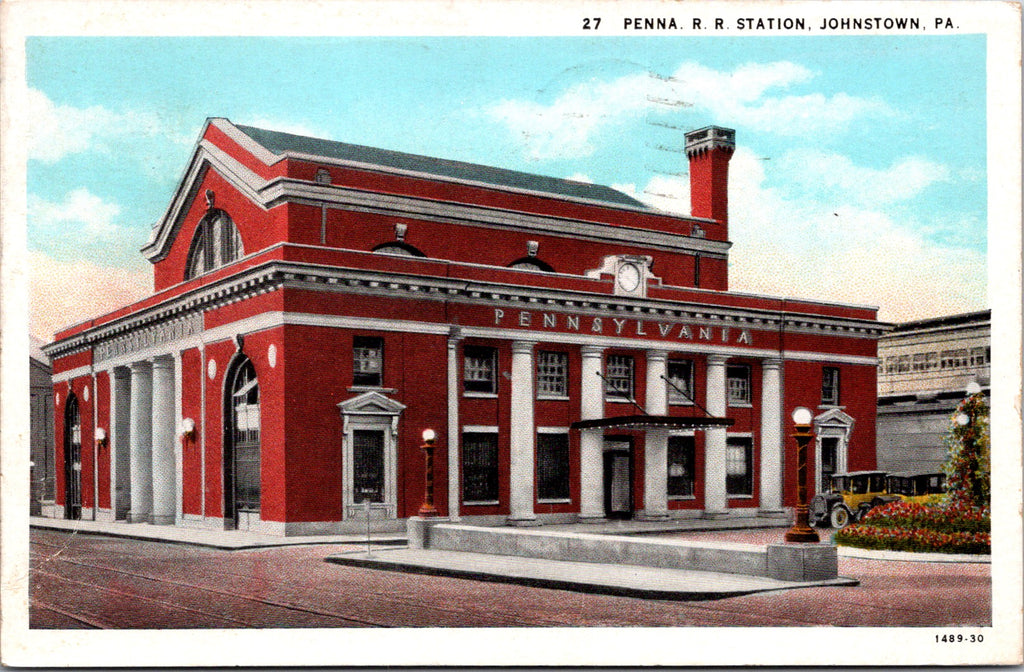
(225, 540)
(586, 577)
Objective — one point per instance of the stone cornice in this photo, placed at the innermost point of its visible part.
(275, 274)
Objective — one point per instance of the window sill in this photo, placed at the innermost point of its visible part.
(681, 498)
(616, 400)
(494, 503)
(480, 395)
(740, 405)
(372, 388)
(739, 496)
(546, 398)
(829, 407)
(554, 501)
(679, 403)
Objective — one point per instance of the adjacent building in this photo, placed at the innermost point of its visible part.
(924, 369)
(42, 472)
(318, 305)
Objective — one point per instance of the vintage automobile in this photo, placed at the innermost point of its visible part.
(918, 486)
(850, 496)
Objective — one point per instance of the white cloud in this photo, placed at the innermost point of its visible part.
(811, 248)
(817, 171)
(65, 293)
(80, 209)
(567, 126)
(56, 131)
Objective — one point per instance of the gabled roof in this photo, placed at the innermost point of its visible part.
(281, 143)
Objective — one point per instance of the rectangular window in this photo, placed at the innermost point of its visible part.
(738, 384)
(978, 357)
(830, 386)
(739, 471)
(481, 366)
(931, 360)
(367, 466)
(552, 466)
(681, 451)
(552, 374)
(479, 467)
(367, 360)
(680, 375)
(918, 362)
(619, 373)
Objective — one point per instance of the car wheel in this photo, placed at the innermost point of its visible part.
(840, 517)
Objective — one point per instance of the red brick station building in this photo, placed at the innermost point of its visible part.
(318, 305)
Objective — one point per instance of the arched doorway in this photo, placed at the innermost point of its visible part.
(242, 446)
(72, 460)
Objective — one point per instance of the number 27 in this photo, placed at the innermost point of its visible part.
(596, 21)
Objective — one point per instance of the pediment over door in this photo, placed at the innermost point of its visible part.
(371, 403)
(834, 418)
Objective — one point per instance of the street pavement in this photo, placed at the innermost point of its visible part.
(95, 581)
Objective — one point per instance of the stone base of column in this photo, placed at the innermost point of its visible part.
(773, 513)
(591, 519)
(652, 516)
(714, 515)
(417, 530)
(523, 522)
(802, 562)
(138, 517)
(162, 520)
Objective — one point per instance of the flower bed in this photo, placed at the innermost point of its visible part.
(907, 526)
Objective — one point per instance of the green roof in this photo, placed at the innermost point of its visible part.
(279, 143)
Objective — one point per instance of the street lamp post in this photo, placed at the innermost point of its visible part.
(427, 509)
(801, 531)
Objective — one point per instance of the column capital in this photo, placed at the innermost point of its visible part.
(523, 347)
(163, 362)
(141, 367)
(717, 360)
(121, 372)
(656, 355)
(771, 363)
(591, 350)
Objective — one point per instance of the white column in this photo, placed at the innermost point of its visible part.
(164, 438)
(522, 432)
(454, 392)
(715, 503)
(591, 440)
(141, 432)
(771, 437)
(656, 440)
(95, 449)
(119, 443)
(179, 498)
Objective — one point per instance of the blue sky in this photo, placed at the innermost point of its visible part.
(860, 174)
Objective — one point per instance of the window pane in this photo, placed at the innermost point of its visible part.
(552, 374)
(368, 466)
(619, 372)
(367, 360)
(738, 467)
(479, 467)
(738, 384)
(680, 375)
(479, 369)
(830, 385)
(680, 466)
(553, 466)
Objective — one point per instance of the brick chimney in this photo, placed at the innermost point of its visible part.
(709, 150)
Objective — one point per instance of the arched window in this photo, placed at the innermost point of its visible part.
(531, 264)
(399, 249)
(242, 445)
(216, 242)
(72, 460)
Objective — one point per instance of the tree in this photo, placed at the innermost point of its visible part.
(967, 467)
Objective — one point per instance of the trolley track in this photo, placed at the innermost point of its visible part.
(104, 575)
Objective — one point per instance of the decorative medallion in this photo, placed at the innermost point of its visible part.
(211, 368)
(85, 393)
(272, 355)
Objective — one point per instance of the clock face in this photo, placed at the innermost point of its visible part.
(629, 277)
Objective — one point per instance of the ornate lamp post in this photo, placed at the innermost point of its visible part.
(801, 531)
(427, 509)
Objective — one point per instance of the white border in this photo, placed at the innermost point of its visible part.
(577, 646)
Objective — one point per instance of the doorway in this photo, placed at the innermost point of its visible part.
(618, 478)
(72, 460)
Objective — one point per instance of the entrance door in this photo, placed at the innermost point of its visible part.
(72, 460)
(618, 479)
(829, 458)
(367, 466)
(242, 449)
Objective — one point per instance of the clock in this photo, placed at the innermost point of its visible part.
(628, 277)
